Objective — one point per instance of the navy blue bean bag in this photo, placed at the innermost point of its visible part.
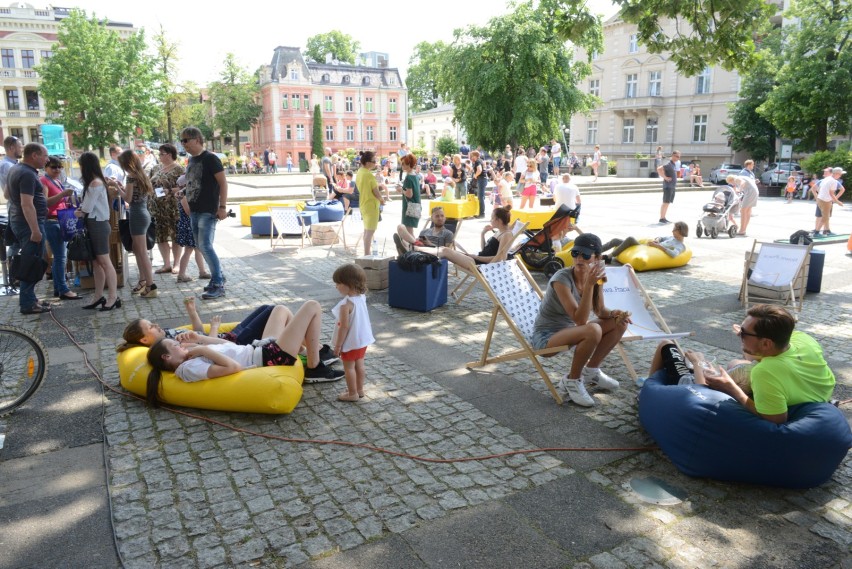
(331, 210)
(706, 433)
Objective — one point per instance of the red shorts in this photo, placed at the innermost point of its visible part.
(353, 355)
(529, 191)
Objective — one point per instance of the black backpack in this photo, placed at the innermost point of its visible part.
(411, 261)
(801, 237)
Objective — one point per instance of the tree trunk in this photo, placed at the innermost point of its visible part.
(236, 140)
(170, 127)
(821, 141)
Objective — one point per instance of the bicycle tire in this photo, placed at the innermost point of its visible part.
(23, 365)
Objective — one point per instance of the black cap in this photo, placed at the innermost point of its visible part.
(588, 243)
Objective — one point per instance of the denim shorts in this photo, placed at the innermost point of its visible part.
(540, 338)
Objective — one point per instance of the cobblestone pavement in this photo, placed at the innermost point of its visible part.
(189, 493)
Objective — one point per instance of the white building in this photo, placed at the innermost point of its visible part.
(428, 126)
(646, 103)
(27, 36)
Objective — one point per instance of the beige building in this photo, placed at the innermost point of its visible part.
(428, 126)
(646, 103)
(27, 36)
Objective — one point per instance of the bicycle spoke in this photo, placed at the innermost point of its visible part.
(23, 364)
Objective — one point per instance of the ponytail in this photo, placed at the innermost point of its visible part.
(158, 364)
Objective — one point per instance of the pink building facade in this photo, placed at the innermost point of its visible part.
(363, 107)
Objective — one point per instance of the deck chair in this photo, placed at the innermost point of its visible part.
(623, 291)
(469, 278)
(353, 214)
(286, 221)
(777, 273)
(516, 298)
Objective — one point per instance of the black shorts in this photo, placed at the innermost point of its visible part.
(273, 355)
(675, 365)
(668, 195)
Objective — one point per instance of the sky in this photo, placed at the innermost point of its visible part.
(253, 30)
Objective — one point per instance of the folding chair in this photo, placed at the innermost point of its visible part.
(776, 274)
(517, 229)
(623, 291)
(354, 214)
(516, 298)
(286, 221)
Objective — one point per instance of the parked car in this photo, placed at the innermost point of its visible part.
(776, 173)
(720, 172)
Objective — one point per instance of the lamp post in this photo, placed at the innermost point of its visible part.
(565, 131)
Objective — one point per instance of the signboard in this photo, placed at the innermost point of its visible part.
(786, 151)
(53, 137)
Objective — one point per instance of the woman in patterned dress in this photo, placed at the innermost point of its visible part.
(164, 207)
(184, 239)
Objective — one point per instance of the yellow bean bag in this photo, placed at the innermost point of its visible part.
(646, 258)
(271, 390)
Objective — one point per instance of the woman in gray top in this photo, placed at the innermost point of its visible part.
(574, 295)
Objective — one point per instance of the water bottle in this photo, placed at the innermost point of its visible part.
(640, 381)
(375, 247)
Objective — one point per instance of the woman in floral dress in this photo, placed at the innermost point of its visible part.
(164, 206)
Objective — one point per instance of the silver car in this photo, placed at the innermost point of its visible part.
(720, 172)
(776, 173)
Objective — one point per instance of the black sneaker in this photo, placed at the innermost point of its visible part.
(400, 246)
(322, 374)
(326, 355)
(664, 220)
(209, 285)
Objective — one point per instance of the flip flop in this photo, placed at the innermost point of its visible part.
(163, 271)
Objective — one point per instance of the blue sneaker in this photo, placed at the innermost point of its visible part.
(212, 292)
(210, 284)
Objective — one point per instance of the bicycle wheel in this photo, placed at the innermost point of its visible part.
(23, 363)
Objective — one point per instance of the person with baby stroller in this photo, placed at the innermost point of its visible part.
(718, 215)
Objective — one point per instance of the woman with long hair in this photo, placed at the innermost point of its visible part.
(494, 249)
(95, 207)
(137, 190)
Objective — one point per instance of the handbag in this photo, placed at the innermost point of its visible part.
(70, 224)
(80, 247)
(27, 268)
(127, 239)
(413, 210)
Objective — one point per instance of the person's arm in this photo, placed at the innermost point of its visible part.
(581, 312)
(723, 382)
(343, 326)
(28, 207)
(502, 251)
(53, 200)
(407, 189)
(194, 318)
(478, 171)
(198, 338)
(661, 170)
(222, 365)
(836, 197)
(222, 212)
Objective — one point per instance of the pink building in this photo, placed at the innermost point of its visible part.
(363, 106)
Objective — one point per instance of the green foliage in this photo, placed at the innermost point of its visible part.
(341, 47)
(513, 80)
(234, 99)
(99, 84)
(749, 130)
(811, 100)
(818, 161)
(447, 146)
(166, 60)
(709, 32)
(316, 135)
(423, 68)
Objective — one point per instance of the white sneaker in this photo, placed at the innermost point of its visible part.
(599, 379)
(576, 391)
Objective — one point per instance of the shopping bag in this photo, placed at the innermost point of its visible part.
(70, 224)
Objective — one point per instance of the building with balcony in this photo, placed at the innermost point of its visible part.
(27, 36)
(428, 126)
(646, 102)
(363, 106)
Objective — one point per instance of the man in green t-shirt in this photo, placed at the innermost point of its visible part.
(790, 369)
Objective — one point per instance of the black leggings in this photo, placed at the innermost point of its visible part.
(675, 365)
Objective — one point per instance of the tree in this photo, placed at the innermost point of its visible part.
(512, 81)
(708, 32)
(341, 47)
(446, 146)
(316, 134)
(810, 100)
(99, 84)
(234, 99)
(167, 59)
(748, 129)
(423, 67)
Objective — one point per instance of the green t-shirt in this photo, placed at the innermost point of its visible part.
(799, 375)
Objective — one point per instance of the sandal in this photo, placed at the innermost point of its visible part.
(204, 275)
(163, 271)
(138, 288)
(184, 279)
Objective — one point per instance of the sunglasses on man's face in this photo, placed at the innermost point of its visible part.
(586, 256)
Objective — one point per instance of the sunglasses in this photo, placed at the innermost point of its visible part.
(185, 140)
(575, 254)
(738, 330)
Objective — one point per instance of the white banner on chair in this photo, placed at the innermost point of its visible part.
(777, 265)
(620, 293)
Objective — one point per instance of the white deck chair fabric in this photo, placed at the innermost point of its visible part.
(519, 299)
(286, 221)
(778, 276)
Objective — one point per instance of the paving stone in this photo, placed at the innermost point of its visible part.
(607, 560)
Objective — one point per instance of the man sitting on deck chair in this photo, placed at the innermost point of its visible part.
(435, 236)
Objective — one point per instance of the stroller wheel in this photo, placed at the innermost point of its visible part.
(713, 233)
(698, 230)
(706, 232)
(732, 231)
(552, 267)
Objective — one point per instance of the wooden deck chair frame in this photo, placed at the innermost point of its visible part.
(274, 211)
(781, 291)
(501, 309)
(341, 232)
(517, 230)
(648, 323)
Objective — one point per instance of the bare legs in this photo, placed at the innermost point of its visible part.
(457, 258)
(140, 251)
(592, 342)
(368, 240)
(105, 275)
(745, 217)
(184, 261)
(356, 373)
(304, 326)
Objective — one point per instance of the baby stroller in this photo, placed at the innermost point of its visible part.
(538, 251)
(716, 215)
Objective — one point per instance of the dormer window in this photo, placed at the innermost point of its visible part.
(325, 78)
(365, 81)
(345, 79)
(294, 74)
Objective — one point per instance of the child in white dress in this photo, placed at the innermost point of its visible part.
(352, 331)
